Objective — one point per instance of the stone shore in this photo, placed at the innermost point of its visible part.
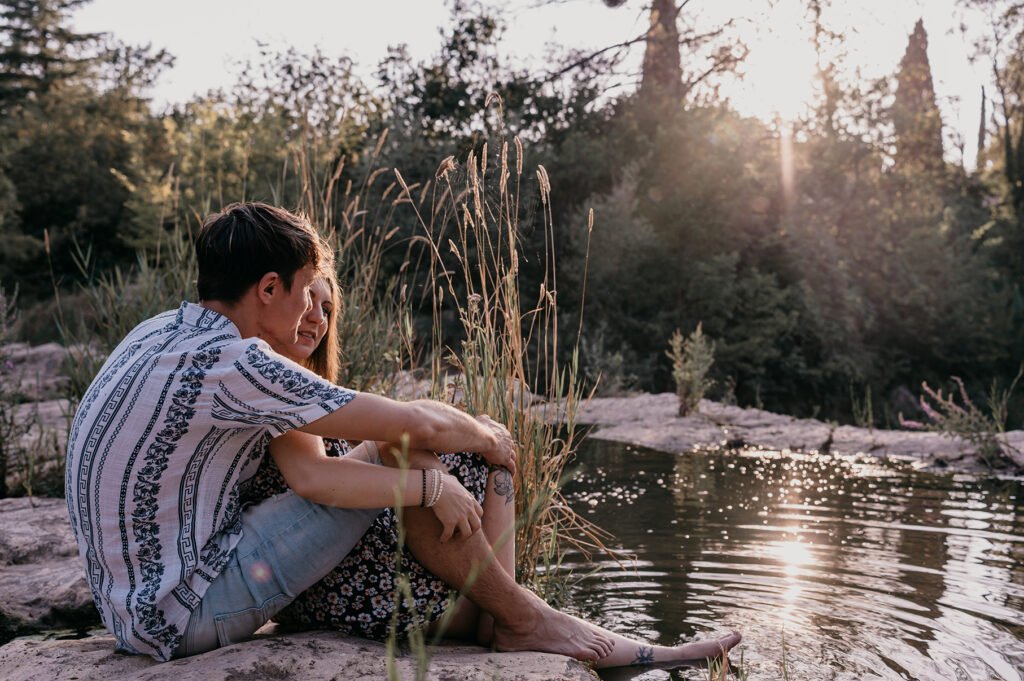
(314, 656)
(45, 602)
(653, 421)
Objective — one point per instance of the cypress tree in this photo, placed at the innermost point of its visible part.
(915, 114)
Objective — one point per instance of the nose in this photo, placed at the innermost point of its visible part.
(316, 315)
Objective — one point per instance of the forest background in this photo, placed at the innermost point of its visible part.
(837, 260)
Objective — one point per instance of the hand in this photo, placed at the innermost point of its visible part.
(457, 510)
(505, 453)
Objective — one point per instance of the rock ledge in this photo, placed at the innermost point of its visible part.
(314, 656)
(42, 588)
(653, 421)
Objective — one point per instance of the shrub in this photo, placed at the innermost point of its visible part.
(984, 431)
(11, 429)
(692, 358)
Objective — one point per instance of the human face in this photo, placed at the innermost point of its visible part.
(286, 309)
(313, 325)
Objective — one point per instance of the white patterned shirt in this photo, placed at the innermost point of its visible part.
(176, 420)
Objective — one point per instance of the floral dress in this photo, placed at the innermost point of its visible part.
(358, 597)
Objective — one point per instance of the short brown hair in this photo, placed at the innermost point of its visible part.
(244, 241)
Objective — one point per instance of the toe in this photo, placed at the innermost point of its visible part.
(600, 646)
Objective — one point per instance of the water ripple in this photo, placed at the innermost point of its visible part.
(858, 569)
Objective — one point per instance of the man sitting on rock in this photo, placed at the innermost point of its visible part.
(179, 417)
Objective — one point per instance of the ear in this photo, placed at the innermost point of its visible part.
(268, 286)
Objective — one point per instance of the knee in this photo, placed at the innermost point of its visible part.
(500, 482)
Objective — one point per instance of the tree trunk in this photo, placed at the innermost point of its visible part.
(662, 77)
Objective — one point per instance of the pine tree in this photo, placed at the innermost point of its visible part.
(38, 49)
(915, 114)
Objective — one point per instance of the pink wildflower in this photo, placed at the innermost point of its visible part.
(912, 425)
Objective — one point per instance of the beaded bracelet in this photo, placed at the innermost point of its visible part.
(436, 486)
(440, 487)
(430, 488)
(423, 496)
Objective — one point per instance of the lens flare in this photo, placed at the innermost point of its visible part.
(260, 572)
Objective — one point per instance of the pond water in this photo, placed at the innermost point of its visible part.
(850, 568)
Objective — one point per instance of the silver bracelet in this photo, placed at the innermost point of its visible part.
(431, 487)
(440, 486)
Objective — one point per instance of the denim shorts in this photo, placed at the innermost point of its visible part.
(288, 544)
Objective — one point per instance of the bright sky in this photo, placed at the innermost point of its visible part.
(208, 37)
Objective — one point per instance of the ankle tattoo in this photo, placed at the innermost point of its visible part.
(644, 655)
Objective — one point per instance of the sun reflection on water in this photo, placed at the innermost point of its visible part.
(872, 570)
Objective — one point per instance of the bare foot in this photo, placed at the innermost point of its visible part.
(550, 631)
(705, 648)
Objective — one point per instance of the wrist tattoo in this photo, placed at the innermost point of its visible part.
(644, 655)
(503, 485)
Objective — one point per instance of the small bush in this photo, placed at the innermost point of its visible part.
(31, 454)
(692, 358)
(605, 368)
(984, 431)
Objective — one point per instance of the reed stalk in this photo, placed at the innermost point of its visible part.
(506, 362)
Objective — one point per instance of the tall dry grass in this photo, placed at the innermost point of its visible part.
(506, 361)
(373, 324)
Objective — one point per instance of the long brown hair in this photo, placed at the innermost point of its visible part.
(326, 358)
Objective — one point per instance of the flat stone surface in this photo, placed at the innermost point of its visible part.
(41, 580)
(312, 656)
(653, 421)
(35, 370)
(42, 587)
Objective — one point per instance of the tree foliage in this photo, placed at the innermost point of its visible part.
(834, 255)
(38, 51)
(915, 114)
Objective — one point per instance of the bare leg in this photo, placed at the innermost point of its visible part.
(499, 527)
(522, 621)
(466, 621)
(461, 560)
(627, 651)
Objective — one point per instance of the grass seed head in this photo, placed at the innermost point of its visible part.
(447, 165)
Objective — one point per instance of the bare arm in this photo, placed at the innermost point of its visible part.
(344, 482)
(429, 425)
(349, 482)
